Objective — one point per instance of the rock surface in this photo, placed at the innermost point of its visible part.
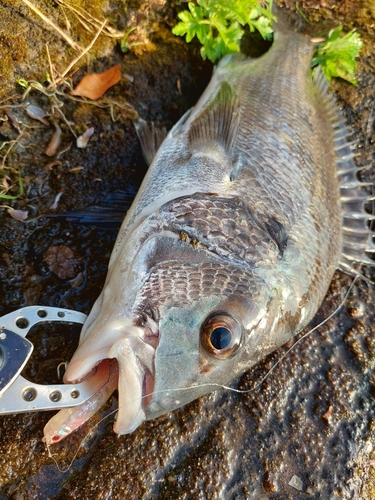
(305, 431)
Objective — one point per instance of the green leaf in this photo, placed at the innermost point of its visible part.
(337, 55)
(214, 48)
(262, 24)
(218, 24)
(232, 36)
(24, 83)
(191, 24)
(124, 41)
(211, 49)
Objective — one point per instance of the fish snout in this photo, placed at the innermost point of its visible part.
(136, 381)
(135, 356)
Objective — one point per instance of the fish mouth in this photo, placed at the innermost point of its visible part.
(136, 382)
(134, 369)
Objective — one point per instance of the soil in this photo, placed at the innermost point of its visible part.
(308, 431)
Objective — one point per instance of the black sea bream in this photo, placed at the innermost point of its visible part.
(249, 206)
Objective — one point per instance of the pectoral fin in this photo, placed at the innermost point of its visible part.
(150, 138)
(217, 123)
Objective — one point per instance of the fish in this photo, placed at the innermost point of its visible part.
(250, 204)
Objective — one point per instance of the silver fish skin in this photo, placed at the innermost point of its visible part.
(232, 241)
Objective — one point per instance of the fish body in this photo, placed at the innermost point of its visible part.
(232, 241)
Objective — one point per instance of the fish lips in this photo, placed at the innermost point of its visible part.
(135, 357)
(136, 380)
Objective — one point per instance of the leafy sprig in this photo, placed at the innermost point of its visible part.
(219, 24)
(337, 55)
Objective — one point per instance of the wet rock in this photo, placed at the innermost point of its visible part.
(243, 446)
(60, 260)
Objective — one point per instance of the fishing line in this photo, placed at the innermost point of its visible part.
(213, 384)
(216, 385)
(257, 386)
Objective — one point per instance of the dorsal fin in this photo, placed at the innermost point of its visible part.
(356, 230)
(327, 100)
(218, 122)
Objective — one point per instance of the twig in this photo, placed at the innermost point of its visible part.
(10, 98)
(86, 16)
(12, 144)
(51, 66)
(83, 53)
(71, 42)
(65, 120)
(9, 106)
(105, 103)
(80, 20)
(66, 19)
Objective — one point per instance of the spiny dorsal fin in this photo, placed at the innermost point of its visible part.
(327, 100)
(150, 138)
(320, 80)
(218, 122)
(356, 231)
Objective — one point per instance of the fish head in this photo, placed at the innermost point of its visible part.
(211, 329)
(180, 323)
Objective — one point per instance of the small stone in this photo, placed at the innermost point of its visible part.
(60, 260)
(356, 308)
(327, 415)
(296, 483)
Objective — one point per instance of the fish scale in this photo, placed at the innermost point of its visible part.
(199, 280)
(224, 226)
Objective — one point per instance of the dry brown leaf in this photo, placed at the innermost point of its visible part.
(54, 143)
(93, 86)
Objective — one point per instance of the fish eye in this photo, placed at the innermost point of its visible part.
(221, 335)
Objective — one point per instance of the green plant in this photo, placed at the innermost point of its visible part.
(24, 83)
(124, 45)
(219, 24)
(4, 196)
(337, 55)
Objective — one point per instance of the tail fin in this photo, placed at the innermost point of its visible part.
(286, 21)
(289, 21)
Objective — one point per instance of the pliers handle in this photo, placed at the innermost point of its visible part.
(18, 394)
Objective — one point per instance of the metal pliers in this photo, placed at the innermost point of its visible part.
(19, 395)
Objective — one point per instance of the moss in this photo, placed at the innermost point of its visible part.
(13, 50)
(81, 117)
(14, 44)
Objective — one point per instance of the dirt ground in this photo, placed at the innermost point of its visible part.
(309, 431)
